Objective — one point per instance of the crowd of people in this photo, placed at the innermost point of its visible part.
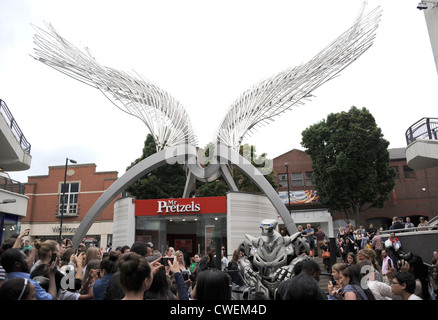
(371, 269)
(49, 270)
(379, 270)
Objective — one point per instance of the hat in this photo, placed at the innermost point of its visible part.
(150, 244)
(400, 218)
(119, 248)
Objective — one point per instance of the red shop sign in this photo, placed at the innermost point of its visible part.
(181, 206)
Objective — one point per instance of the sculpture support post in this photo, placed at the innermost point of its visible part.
(171, 155)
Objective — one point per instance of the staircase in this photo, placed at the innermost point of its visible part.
(325, 275)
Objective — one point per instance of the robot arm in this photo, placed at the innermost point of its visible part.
(250, 276)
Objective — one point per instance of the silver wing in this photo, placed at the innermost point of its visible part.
(164, 116)
(271, 97)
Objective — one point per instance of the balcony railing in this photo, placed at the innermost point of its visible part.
(70, 209)
(4, 110)
(11, 185)
(426, 128)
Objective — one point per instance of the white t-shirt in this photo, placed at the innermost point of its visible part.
(380, 290)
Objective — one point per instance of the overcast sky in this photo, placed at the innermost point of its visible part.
(205, 53)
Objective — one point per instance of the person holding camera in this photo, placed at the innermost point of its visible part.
(108, 266)
(414, 265)
(207, 262)
(16, 266)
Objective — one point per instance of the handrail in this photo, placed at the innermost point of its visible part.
(25, 145)
(405, 230)
(12, 185)
(433, 221)
(425, 128)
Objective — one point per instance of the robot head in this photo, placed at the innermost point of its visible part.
(268, 226)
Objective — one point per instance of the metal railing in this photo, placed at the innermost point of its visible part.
(4, 110)
(70, 209)
(425, 128)
(11, 185)
(431, 225)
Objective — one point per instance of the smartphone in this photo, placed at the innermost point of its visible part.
(333, 282)
(164, 261)
(185, 275)
(390, 263)
(53, 257)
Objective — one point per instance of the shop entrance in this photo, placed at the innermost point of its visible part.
(194, 232)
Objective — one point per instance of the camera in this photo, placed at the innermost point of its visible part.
(164, 261)
(404, 256)
(185, 275)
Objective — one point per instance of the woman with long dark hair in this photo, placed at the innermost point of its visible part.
(349, 280)
(414, 265)
(213, 284)
(160, 287)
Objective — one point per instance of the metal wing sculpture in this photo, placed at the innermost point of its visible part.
(278, 94)
(166, 118)
(169, 123)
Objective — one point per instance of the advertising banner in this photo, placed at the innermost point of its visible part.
(297, 197)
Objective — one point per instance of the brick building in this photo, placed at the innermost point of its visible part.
(83, 187)
(415, 193)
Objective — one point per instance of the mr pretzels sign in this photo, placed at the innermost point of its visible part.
(174, 207)
(203, 205)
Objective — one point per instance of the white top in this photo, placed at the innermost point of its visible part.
(380, 290)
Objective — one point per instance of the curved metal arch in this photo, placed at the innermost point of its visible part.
(224, 155)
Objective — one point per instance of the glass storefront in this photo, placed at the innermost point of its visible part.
(9, 226)
(194, 232)
(193, 223)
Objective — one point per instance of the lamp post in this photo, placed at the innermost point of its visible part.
(63, 196)
(288, 188)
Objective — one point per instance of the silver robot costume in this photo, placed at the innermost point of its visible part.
(268, 260)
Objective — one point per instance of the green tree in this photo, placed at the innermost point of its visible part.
(220, 188)
(350, 162)
(167, 181)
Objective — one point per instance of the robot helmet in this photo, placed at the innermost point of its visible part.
(268, 225)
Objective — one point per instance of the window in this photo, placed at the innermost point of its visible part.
(297, 179)
(282, 180)
(408, 172)
(70, 206)
(309, 178)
